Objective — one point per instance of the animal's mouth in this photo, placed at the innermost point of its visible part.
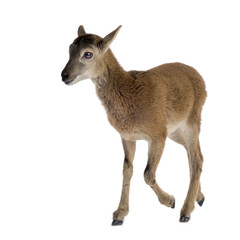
(73, 80)
(69, 81)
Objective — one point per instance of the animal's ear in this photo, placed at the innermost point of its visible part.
(81, 30)
(107, 40)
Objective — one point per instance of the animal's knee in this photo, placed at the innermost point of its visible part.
(149, 177)
(127, 168)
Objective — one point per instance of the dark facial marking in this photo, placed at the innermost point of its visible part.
(84, 41)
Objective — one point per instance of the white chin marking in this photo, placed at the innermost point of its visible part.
(77, 79)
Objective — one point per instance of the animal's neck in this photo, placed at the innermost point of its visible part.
(111, 86)
(111, 73)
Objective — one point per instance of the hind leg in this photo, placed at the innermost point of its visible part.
(195, 164)
(178, 137)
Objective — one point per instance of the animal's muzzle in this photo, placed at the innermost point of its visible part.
(65, 76)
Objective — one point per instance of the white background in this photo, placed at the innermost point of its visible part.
(61, 161)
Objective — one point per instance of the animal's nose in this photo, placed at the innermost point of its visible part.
(64, 75)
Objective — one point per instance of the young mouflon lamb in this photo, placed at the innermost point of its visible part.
(165, 101)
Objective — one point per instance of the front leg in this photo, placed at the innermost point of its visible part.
(154, 155)
(123, 208)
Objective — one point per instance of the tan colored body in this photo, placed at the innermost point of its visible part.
(149, 105)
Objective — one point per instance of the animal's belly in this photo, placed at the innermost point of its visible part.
(171, 127)
(134, 136)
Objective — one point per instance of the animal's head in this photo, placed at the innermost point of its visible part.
(86, 53)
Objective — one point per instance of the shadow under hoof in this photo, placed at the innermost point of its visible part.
(200, 203)
(117, 222)
(184, 219)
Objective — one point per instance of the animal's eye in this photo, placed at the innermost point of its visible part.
(88, 55)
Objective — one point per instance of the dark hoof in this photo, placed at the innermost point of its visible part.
(200, 203)
(184, 219)
(117, 222)
(173, 205)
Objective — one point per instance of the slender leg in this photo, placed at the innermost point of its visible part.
(178, 137)
(123, 208)
(154, 155)
(195, 164)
